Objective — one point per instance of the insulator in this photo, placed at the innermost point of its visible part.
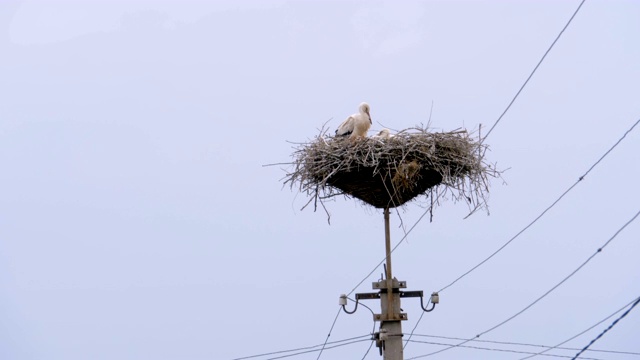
(435, 298)
(343, 300)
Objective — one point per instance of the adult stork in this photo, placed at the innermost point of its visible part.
(356, 125)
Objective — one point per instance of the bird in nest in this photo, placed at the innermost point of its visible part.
(384, 134)
(356, 125)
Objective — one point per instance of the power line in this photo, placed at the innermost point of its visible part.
(372, 330)
(329, 334)
(299, 349)
(324, 348)
(545, 210)
(368, 349)
(534, 70)
(495, 349)
(543, 295)
(607, 329)
(582, 332)
(416, 326)
(566, 278)
(558, 346)
(530, 345)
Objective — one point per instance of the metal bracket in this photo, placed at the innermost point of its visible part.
(368, 296)
(435, 299)
(386, 317)
(404, 294)
(383, 284)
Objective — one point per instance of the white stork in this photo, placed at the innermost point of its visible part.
(356, 125)
(384, 134)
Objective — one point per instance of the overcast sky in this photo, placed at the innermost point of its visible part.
(137, 220)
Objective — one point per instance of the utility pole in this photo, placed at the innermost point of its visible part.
(389, 338)
(391, 320)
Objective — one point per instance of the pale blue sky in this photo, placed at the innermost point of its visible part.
(137, 221)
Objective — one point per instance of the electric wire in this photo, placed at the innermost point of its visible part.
(581, 178)
(372, 330)
(415, 326)
(542, 296)
(534, 70)
(329, 334)
(324, 348)
(598, 251)
(496, 349)
(607, 329)
(583, 332)
(529, 345)
(299, 349)
(368, 349)
(558, 346)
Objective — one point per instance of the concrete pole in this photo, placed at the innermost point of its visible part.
(387, 245)
(391, 326)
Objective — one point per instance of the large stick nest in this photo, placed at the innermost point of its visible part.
(387, 173)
